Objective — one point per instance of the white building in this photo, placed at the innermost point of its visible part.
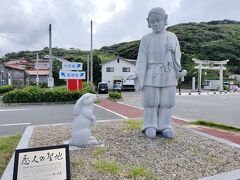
(114, 70)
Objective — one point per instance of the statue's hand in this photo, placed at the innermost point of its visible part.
(130, 76)
(171, 47)
(93, 119)
(181, 74)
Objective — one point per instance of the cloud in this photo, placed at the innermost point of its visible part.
(114, 21)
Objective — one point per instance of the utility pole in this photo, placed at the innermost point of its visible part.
(50, 78)
(199, 77)
(88, 74)
(91, 55)
(37, 78)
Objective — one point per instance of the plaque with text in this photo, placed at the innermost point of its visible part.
(42, 163)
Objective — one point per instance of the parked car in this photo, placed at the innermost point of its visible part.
(117, 87)
(128, 85)
(102, 88)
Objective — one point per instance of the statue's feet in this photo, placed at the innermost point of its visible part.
(150, 133)
(93, 142)
(168, 133)
(92, 138)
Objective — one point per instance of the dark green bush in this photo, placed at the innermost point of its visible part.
(115, 95)
(5, 88)
(35, 94)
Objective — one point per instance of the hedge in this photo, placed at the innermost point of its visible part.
(35, 94)
(5, 88)
(115, 95)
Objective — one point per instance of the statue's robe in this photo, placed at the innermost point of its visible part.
(156, 66)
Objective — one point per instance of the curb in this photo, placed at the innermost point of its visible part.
(231, 175)
(8, 173)
(206, 93)
(40, 103)
(220, 140)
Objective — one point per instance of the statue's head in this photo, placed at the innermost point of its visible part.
(157, 19)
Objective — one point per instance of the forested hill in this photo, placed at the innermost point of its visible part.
(215, 40)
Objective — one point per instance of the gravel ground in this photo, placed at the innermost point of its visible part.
(131, 155)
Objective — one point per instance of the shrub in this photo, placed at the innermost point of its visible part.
(115, 95)
(87, 87)
(5, 88)
(35, 94)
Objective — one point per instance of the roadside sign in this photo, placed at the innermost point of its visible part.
(49, 162)
(50, 82)
(63, 74)
(37, 80)
(71, 66)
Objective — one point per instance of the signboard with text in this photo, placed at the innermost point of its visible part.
(72, 66)
(71, 74)
(48, 163)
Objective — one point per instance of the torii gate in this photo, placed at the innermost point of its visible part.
(207, 64)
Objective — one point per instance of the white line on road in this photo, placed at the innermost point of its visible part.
(9, 110)
(112, 111)
(18, 124)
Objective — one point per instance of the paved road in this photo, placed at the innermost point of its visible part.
(16, 119)
(219, 108)
(224, 108)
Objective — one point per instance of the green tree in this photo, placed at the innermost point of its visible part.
(97, 69)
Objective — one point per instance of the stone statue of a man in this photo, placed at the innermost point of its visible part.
(157, 69)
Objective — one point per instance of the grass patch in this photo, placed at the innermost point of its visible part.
(140, 171)
(99, 151)
(212, 158)
(169, 141)
(76, 164)
(134, 124)
(7, 147)
(111, 167)
(216, 125)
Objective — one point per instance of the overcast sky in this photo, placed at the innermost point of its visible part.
(24, 23)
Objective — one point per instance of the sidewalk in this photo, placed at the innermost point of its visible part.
(128, 111)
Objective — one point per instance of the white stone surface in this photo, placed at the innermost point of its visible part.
(83, 120)
(158, 67)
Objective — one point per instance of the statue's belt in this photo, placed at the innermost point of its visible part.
(159, 67)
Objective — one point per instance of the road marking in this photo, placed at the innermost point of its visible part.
(112, 111)
(181, 119)
(18, 124)
(112, 120)
(9, 110)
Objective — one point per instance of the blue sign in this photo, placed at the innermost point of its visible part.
(72, 66)
(72, 74)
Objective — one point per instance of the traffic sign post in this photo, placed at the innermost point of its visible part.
(72, 74)
(72, 66)
(71, 71)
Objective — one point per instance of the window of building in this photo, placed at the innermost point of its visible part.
(110, 69)
(126, 69)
